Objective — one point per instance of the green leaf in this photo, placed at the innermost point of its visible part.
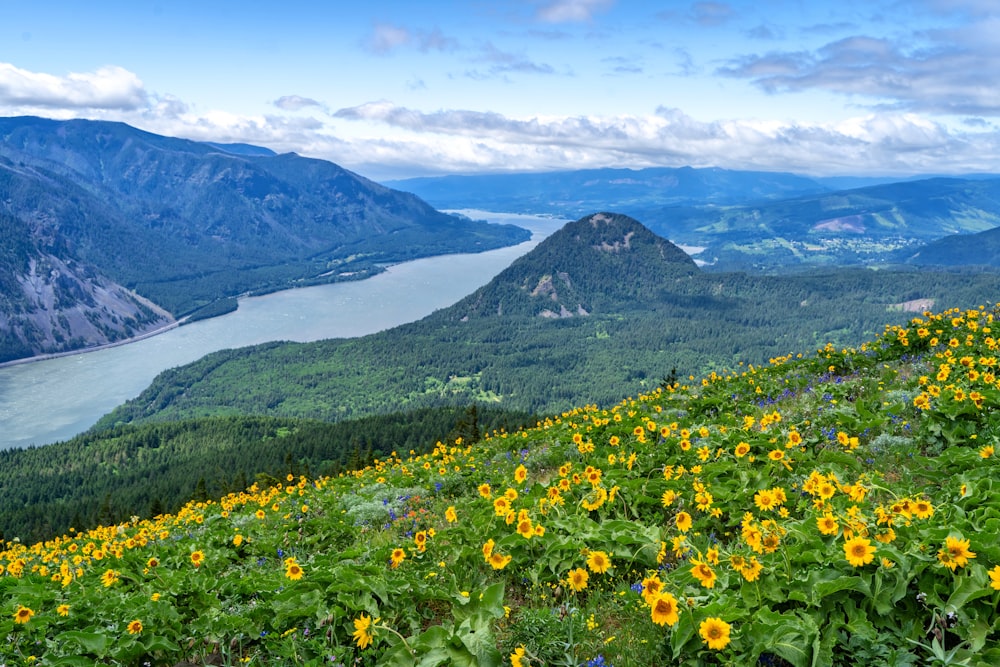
(682, 633)
(479, 643)
(158, 643)
(969, 588)
(73, 661)
(784, 635)
(843, 583)
(92, 642)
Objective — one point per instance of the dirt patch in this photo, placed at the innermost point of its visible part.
(848, 223)
(914, 306)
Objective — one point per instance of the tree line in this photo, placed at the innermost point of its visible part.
(144, 470)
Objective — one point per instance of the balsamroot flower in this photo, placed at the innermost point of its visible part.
(715, 633)
(663, 610)
(859, 551)
(23, 614)
(363, 632)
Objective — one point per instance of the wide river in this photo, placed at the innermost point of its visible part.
(54, 399)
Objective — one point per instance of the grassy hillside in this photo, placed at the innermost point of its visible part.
(149, 469)
(831, 508)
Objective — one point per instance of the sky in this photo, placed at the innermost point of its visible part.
(396, 89)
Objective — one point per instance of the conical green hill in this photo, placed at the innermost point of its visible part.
(597, 264)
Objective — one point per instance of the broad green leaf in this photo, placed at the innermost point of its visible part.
(158, 643)
(73, 661)
(844, 583)
(784, 635)
(92, 642)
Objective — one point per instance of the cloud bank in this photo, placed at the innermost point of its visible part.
(106, 88)
(385, 140)
(468, 141)
(944, 71)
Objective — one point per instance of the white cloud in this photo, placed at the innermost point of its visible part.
(572, 11)
(295, 102)
(711, 14)
(386, 38)
(106, 88)
(502, 63)
(953, 71)
(463, 141)
(383, 139)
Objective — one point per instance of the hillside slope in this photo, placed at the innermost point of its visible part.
(597, 309)
(149, 469)
(958, 250)
(182, 223)
(829, 509)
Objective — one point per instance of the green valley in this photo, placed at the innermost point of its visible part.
(757, 221)
(600, 309)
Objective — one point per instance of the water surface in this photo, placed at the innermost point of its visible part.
(54, 399)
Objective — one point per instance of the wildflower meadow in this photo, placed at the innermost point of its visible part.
(840, 507)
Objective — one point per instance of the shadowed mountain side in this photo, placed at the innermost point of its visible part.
(959, 250)
(184, 224)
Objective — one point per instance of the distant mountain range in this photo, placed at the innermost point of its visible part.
(575, 193)
(107, 231)
(600, 309)
(737, 220)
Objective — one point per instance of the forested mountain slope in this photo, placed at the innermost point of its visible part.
(148, 469)
(958, 250)
(89, 208)
(601, 308)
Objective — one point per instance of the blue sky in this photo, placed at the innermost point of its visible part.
(406, 88)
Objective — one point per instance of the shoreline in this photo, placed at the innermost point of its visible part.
(96, 348)
(183, 320)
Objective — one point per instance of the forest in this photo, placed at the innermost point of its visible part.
(696, 324)
(150, 469)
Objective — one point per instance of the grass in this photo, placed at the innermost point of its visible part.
(832, 508)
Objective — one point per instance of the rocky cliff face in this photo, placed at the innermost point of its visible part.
(65, 306)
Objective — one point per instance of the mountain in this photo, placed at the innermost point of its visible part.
(957, 250)
(592, 265)
(864, 226)
(105, 224)
(736, 220)
(601, 308)
(575, 193)
(832, 508)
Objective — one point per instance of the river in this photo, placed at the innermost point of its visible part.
(54, 399)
